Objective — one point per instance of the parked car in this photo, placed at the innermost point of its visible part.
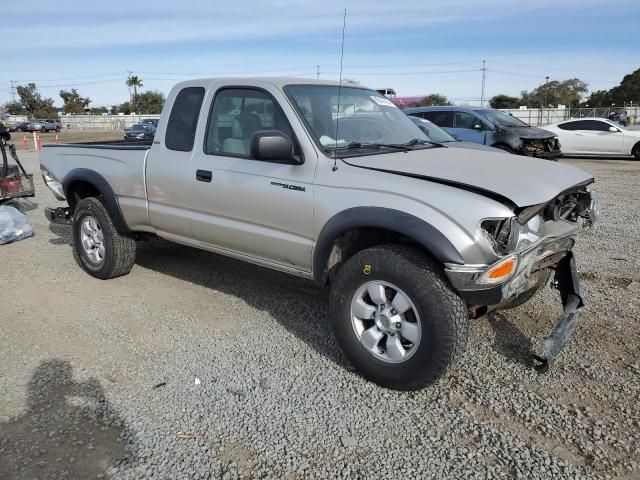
(19, 127)
(44, 125)
(414, 239)
(494, 128)
(439, 135)
(140, 131)
(596, 136)
(50, 125)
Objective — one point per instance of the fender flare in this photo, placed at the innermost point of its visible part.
(109, 199)
(379, 217)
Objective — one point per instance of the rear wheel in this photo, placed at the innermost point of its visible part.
(100, 250)
(396, 317)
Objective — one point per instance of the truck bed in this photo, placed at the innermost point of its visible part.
(120, 163)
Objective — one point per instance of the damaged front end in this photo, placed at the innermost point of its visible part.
(548, 148)
(529, 246)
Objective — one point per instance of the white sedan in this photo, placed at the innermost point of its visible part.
(596, 136)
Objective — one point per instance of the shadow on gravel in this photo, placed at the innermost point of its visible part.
(510, 341)
(68, 430)
(65, 237)
(297, 304)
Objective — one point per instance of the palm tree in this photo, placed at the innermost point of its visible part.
(135, 82)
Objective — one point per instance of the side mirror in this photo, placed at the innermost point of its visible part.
(613, 129)
(273, 146)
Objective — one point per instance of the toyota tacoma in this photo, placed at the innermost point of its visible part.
(334, 183)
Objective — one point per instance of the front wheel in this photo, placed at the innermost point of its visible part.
(636, 152)
(396, 317)
(100, 249)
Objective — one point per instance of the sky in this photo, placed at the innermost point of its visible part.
(415, 47)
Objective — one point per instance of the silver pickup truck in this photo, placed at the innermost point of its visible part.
(334, 183)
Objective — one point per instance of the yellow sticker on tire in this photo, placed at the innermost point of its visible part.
(367, 270)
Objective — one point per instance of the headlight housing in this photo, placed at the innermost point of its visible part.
(506, 235)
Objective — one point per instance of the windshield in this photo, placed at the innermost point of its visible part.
(433, 131)
(360, 119)
(501, 119)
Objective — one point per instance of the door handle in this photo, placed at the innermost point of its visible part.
(204, 175)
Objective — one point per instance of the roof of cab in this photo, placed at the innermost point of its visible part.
(276, 81)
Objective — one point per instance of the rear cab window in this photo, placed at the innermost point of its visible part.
(183, 120)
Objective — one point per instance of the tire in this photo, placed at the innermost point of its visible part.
(118, 252)
(636, 151)
(436, 312)
(57, 129)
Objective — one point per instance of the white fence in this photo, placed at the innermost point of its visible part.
(545, 116)
(102, 122)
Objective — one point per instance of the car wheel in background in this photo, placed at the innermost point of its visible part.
(98, 247)
(396, 317)
(58, 129)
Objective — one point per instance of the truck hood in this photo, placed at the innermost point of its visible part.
(523, 181)
(531, 133)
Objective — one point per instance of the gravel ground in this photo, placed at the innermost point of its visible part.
(199, 366)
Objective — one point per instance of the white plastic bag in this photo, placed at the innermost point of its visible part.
(13, 225)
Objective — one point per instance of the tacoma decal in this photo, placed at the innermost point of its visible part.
(289, 186)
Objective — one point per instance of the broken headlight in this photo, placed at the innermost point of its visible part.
(506, 235)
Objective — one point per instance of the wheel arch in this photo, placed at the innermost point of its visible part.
(357, 228)
(635, 150)
(81, 183)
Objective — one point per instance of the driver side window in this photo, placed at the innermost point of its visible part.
(466, 120)
(237, 114)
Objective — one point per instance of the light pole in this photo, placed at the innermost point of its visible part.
(546, 90)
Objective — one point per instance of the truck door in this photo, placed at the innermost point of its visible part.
(259, 209)
(168, 177)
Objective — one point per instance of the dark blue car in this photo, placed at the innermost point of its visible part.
(493, 128)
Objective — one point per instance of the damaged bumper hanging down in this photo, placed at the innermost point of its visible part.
(567, 282)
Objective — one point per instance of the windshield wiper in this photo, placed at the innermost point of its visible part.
(398, 146)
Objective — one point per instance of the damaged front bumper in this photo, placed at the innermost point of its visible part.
(547, 148)
(532, 271)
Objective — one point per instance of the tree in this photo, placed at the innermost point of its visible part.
(627, 91)
(73, 102)
(150, 101)
(13, 108)
(431, 100)
(135, 82)
(504, 101)
(125, 108)
(566, 92)
(33, 102)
